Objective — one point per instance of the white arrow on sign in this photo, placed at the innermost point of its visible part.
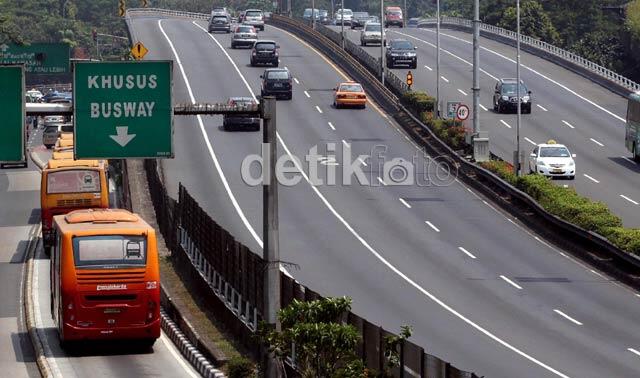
(123, 137)
(4, 47)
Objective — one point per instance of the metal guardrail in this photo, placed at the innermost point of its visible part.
(584, 244)
(568, 56)
(166, 12)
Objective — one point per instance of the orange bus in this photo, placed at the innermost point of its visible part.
(105, 277)
(69, 185)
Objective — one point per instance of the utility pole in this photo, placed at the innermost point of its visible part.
(342, 23)
(405, 16)
(476, 66)
(437, 58)
(271, 248)
(382, 43)
(313, 14)
(517, 158)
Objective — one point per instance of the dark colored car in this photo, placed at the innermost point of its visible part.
(220, 23)
(323, 17)
(505, 96)
(241, 121)
(264, 52)
(358, 19)
(276, 82)
(401, 52)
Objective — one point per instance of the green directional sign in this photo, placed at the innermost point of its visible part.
(123, 110)
(38, 58)
(13, 112)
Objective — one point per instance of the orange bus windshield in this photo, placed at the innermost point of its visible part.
(109, 251)
(73, 181)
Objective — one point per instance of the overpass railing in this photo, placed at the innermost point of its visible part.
(545, 47)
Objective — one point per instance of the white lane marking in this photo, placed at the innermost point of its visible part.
(383, 260)
(591, 178)
(447, 52)
(445, 79)
(307, 94)
(542, 107)
(382, 181)
(511, 282)
(177, 356)
(318, 109)
(502, 121)
(331, 126)
(345, 143)
(568, 124)
(463, 92)
(429, 68)
(596, 142)
(483, 107)
(628, 199)
(633, 351)
(566, 316)
(405, 203)
(530, 141)
(629, 160)
(296, 80)
(539, 74)
(432, 226)
(216, 163)
(467, 252)
(363, 162)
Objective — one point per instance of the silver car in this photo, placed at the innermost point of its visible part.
(244, 35)
(254, 17)
(53, 120)
(52, 132)
(371, 33)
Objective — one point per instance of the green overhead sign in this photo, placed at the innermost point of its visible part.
(38, 58)
(123, 110)
(13, 112)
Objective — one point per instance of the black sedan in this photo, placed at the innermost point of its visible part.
(241, 121)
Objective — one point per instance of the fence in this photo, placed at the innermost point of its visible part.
(232, 275)
(594, 68)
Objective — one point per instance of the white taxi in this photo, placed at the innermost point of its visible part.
(552, 160)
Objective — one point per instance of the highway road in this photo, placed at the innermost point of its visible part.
(19, 218)
(478, 289)
(567, 108)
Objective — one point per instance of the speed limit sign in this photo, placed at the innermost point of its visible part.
(462, 113)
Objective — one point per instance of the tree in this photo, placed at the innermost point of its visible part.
(534, 22)
(632, 19)
(324, 345)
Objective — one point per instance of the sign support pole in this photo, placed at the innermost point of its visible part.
(271, 247)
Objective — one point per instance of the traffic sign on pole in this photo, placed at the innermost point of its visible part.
(38, 58)
(138, 51)
(12, 98)
(123, 110)
(122, 8)
(462, 113)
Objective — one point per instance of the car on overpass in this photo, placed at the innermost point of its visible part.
(241, 121)
(277, 82)
(393, 16)
(505, 96)
(254, 17)
(552, 160)
(359, 18)
(265, 52)
(244, 35)
(343, 16)
(401, 52)
(220, 23)
(349, 93)
(371, 33)
(324, 18)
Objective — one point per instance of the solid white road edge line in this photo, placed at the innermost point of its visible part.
(572, 320)
(383, 260)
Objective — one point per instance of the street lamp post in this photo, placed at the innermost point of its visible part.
(437, 58)
(342, 24)
(518, 163)
(382, 42)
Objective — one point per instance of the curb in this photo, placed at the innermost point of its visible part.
(197, 360)
(37, 160)
(41, 359)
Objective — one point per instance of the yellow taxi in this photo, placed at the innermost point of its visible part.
(349, 94)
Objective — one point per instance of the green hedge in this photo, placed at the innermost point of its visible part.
(567, 204)
(419, 101)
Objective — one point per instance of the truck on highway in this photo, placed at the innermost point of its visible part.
(632, 131)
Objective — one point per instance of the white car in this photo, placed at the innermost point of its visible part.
(552, 160)
(255, 18)
(371, 33)
(348, 16)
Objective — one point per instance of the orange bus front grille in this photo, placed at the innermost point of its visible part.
(76, 202)
(109, 277)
